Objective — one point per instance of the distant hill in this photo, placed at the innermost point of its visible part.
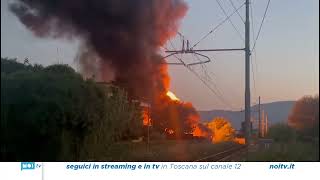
(276, 111)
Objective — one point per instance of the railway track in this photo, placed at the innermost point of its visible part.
(223, 155)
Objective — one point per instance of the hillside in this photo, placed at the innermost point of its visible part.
(277, 112)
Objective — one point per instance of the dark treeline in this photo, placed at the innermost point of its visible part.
(51, 113)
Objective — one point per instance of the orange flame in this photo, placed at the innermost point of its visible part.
(146, 117)
(239, 140)
(199, 132)
(172, 96)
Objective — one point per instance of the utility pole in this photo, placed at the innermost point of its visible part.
(266, 125)
(246, 49)
(262, 123)
(259, 125)
(247, 75)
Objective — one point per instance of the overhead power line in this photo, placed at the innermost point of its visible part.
(264, 16)
(253, 32)
(246, 49)
(216, 92)
(254, 57)
(217, 26)
(234, 7)
(210, 88)
(225, 13)
(208, 78)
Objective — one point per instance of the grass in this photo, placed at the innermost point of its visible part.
(299, 151)
(163, 150)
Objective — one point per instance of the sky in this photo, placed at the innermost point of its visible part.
(285, 63)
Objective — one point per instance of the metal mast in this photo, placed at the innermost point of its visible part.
(247, 75)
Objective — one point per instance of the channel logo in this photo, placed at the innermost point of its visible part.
(29, 166)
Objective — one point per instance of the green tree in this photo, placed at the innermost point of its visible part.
(38, 107)
(10, 65)
(282, 133)
(60, 68)
(52, 113)
(122, 120)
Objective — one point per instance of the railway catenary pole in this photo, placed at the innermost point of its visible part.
(247, 51)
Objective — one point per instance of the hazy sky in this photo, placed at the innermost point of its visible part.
(286, 65)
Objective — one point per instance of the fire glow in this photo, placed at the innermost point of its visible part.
(120, 42)
(172, 96)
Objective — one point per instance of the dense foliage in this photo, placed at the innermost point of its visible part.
(297, 140)
(305, 116)
(303, 122)
(52, 113)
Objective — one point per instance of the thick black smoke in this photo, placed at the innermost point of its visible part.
(120, 42)
(120, 38)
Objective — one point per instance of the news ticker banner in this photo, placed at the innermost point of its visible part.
(156, 170)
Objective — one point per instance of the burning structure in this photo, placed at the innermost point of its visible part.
(120, 42)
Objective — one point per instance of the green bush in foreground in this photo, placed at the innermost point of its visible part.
(52, 113)
(288, 152)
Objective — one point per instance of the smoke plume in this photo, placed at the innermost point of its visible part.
(120, 39)
(121, 36)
